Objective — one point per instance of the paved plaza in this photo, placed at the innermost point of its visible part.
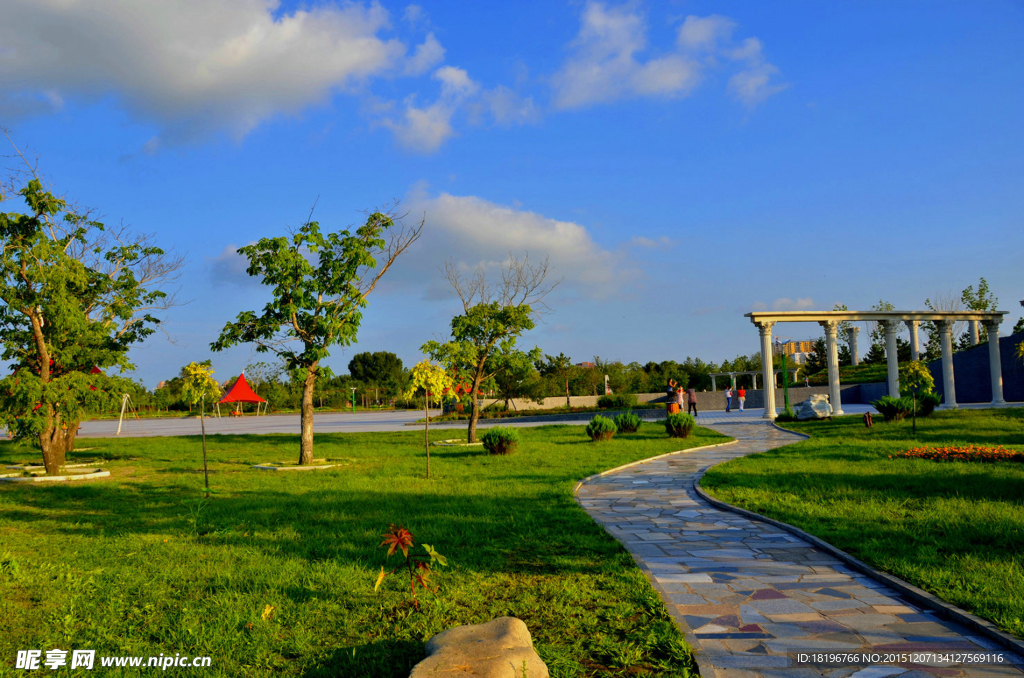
(749, 595)
(361, 422)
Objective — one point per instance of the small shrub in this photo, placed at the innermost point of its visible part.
(679, 425)
(617, 401)
(419, 567)
(893, 409)
(627, 422)
(787, 416)
(601, 428)
(501, 440)
(927, 402)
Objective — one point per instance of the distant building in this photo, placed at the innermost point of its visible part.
(797, 351)
(586, 365)
(162, 384)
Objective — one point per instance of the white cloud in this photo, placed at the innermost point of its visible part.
(194, 67)
(753, 84)
(606, 60)
(603, 65)
(704, 33)
(478, 232)
(230, 267)
(787, 304)
(455, 82)
(427, 55)
(509, 108)
(422, 130)
(664, 242)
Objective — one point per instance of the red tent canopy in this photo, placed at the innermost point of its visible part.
(241, 393)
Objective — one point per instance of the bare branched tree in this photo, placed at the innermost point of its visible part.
(521, 283)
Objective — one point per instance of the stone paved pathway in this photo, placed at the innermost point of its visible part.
(748, 594)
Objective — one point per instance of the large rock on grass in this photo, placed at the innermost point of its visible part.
(815, 407)
(498, 649)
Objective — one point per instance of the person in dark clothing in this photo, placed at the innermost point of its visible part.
(691, 401)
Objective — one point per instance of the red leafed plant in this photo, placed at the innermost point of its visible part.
(397, 538)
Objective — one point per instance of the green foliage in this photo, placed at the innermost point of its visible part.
(786, 416)
(319, 305)
(199, 384)
(627, 422)
(72, 297)
(926, 403)
(817, 359)
(915, 377)
(501, 440)
(601, 428)
(679, 425)
(617, 401)
(380, 368)
(893, 409)
(483, 344)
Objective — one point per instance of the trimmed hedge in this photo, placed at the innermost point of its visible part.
(617, 401)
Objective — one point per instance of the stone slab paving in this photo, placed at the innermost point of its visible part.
(749, 595)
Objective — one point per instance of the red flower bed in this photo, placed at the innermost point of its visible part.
(967, 453)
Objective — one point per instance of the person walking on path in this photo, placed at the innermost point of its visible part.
(741, 393)
(691, 400)
(728, 399)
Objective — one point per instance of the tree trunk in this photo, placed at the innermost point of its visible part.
(475, 412)
(306, 446)
(426, 434)
(56, 442)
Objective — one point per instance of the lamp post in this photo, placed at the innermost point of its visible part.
(353, 389)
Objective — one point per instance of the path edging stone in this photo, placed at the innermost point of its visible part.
(915, 594)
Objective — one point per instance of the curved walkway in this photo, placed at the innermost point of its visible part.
(750, 596)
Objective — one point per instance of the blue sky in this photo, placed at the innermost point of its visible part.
(681, 163)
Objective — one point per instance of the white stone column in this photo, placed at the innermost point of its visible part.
(948, 385)
(851, 336)
(713, 383)
(755, 381)
(892, 360)
(765, 329)
(732, 382)
(915, 340)
(832, 349)
(995, 364)
(975, 335)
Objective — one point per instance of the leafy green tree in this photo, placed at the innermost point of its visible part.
(483, 337)
(317, 304)
(1019, 327)
(73, 296)
(817, 359)
(380, 368)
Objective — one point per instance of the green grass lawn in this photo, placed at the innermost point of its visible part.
(955, 529)
(139, 564)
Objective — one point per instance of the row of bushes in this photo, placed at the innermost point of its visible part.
(602, 428)
(505, 440)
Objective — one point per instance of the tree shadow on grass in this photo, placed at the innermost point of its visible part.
(380, 659)
(479, 532)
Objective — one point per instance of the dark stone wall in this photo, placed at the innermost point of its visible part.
(971, 373)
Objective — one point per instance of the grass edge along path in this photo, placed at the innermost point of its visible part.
(274, 574)
(954, 529)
